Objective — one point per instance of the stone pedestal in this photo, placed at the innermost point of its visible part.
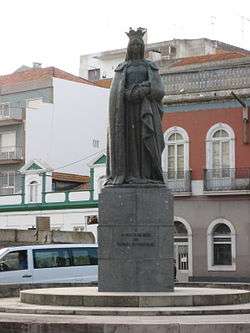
(135, 239)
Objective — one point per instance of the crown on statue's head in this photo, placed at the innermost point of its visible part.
(139, 33)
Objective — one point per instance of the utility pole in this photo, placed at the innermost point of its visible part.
(212, 25)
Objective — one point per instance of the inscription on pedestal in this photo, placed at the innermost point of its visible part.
(130, 239)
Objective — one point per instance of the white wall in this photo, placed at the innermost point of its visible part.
(106, 66)
(38, 131)
(62, 132)
(33, 178)
(99, 171)
(64, 220)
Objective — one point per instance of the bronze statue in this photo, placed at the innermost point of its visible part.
(135, 139)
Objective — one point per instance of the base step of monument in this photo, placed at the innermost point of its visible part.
(93, 324)
(13, 305)
(90, 297)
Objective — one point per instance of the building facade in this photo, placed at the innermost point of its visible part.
(100, 66)
(48, 114)
(67, 210)
(207, 166)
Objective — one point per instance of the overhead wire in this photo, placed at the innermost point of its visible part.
(68, 164)
(72, 163)
(77, 161)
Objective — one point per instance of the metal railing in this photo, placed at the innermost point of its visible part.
(11, 153)
(10, 112)
(178, 181)
(227, 179)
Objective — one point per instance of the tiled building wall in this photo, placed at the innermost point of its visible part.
(197, 123)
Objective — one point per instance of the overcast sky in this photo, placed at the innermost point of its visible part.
(56, 32)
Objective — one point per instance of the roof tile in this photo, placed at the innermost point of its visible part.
(220, 56)
(38, 74)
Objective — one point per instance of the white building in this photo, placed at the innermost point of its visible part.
(73, 210)
(51, 115)
(101, 65)
(50, 121)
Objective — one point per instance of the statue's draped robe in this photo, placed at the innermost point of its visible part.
(135, 139)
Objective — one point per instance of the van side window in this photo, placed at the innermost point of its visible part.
(14, 261)
(84, 256)
(48, 258)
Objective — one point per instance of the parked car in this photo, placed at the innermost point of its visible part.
(49, 263)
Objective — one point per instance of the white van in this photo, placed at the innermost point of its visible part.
(49, 263)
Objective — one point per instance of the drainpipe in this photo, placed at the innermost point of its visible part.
(244, 117)
(91, 184)
(43, 187)
(23, 189)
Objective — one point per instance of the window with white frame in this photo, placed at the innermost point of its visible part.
(94, 74)
(182, 248)
(221, 246)
(7, 145)
(33, 189)
(7, 182)
(175, 156)
(220, 150)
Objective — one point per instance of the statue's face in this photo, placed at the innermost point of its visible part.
(136, 49)
(135, 46)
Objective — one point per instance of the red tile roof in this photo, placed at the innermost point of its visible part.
(220, 56)
(105, 83)
(33, 74)
(70, 177)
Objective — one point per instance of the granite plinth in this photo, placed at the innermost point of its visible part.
(90, 297)
(135, 236)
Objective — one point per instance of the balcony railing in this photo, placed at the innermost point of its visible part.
(226, 179)
(178, 181)
(11, 113)
(11, 153)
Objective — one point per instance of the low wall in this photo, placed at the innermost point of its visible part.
(15, 237)
(13, 290)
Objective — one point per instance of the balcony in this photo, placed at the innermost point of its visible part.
(227, 181)
(11, 155)
(10, 116)
(179, 182)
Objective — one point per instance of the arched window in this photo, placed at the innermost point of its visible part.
(181, 246)
(33, 191)
(182, 249)
(179, 229)
(175, 159)
(220, 150)
(221, 245)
